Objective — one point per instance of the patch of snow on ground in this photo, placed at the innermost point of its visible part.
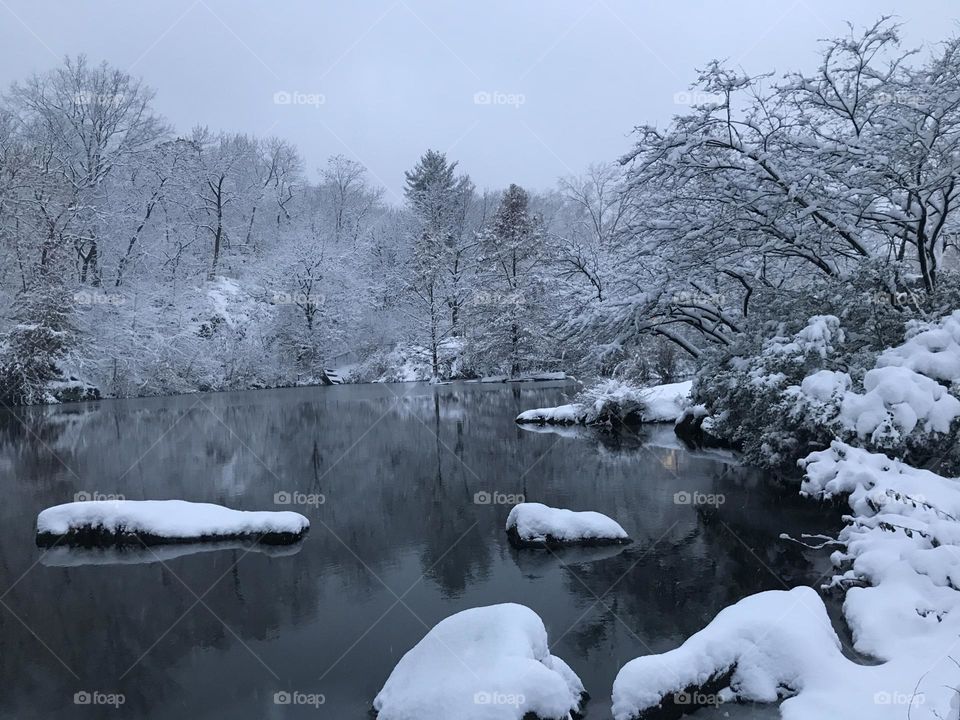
(539, 524)
(486, 663)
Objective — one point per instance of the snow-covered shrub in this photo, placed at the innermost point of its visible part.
(796, 393)
(611, 400)
(745, 391)
(32, 353)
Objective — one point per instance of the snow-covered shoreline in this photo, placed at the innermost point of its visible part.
(152, 522)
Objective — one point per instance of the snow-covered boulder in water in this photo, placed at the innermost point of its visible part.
(613, 401)
(117, 522)
(486, 663)
(571, 414)
(538, 525)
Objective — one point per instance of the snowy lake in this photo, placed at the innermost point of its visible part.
(415, 483)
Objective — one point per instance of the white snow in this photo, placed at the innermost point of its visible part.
(658, 403)
(905, 393)
(781, 644)
(540, 524)
(931, 349)
(169, 519)
(903, 540)
(570, 414)
(665, 403)
(486, 663)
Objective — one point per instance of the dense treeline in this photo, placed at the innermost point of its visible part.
(143, 260)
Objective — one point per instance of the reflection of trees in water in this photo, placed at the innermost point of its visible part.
(399, 476)
(709, 560)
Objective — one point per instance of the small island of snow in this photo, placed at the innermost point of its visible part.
(486, 663)
(151, 522)
(612, 401)
(538, 525)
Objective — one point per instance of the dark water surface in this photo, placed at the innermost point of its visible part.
(399, 544)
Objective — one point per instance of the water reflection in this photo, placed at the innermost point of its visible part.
(398, 545)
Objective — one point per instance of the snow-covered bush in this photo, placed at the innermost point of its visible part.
(745, 391)
(32, 353)
(782, 395)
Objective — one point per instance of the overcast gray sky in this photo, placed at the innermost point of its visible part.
(517, 90)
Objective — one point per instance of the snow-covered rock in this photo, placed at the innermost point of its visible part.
(162, 521)
(780, 644)
(612, 400)
(486, 663)
(537, 525)
(760, 646)
(570, 414)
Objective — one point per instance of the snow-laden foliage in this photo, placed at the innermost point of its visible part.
(798, 392)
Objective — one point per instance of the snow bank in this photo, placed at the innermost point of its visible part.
(484, 663)
(535, 524)
(901, 561)
(779, 644)
(159, 521)
(613, 400)
(758, 647)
